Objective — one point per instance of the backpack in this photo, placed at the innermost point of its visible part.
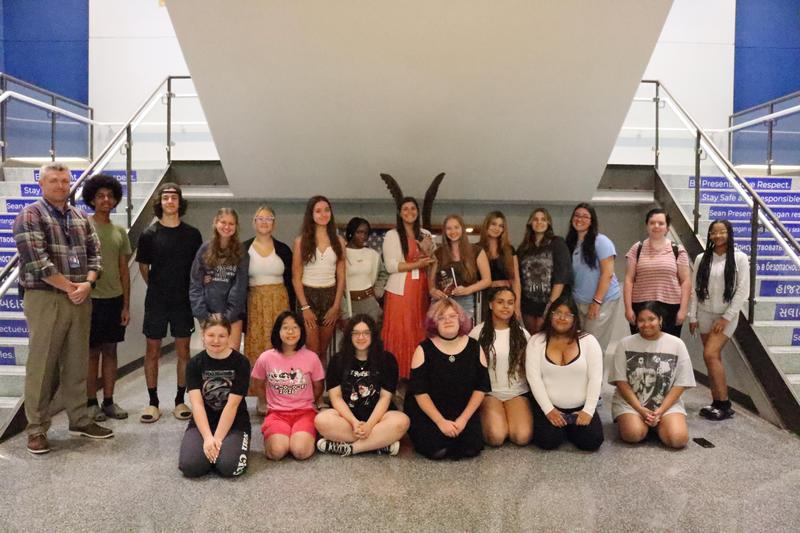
(675, 251)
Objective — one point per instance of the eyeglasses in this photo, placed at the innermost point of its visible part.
(563, 316)
(264, 219)
(290, 328)
(446, 318)
(364, 334)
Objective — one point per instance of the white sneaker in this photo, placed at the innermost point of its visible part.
(337, 448)
(392, 449)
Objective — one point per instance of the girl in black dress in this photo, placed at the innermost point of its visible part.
(449, 379)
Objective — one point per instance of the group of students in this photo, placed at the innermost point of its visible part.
(531, 371)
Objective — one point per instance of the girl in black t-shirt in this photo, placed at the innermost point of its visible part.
(217, 378)
(361, 381)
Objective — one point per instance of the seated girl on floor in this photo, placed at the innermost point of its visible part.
(361, 382)
(293, 377)
(449, 380)
(218, 436)
(651, 370)
(506, 410)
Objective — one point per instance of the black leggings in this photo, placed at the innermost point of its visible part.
(548, 437)
(668, 324)
(232, 460)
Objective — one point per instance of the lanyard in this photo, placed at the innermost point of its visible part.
(64, 220)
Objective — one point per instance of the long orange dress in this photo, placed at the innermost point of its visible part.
(403, 316)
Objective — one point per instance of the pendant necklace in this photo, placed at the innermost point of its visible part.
(451, 358)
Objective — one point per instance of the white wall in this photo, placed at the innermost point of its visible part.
(694, 58)
(132, 49)
(133, 46)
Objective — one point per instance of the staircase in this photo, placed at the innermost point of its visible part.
(18, 190)
(777, 291)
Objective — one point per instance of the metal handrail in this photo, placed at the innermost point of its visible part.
(50, 93)
(767, 103)
(760, 212)
(6, 95)
(760, 120)
(9, 271)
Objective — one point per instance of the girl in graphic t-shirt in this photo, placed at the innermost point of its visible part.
(293, 377)
(218, 436)
(361, 381)
(651, 370)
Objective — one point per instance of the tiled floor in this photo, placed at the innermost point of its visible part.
(749, 482)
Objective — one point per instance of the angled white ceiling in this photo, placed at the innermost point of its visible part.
(513, 99)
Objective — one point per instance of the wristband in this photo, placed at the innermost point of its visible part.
(598, 302)
(304, 307)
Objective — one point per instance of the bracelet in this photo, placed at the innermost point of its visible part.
(598, 302)
(304, 307)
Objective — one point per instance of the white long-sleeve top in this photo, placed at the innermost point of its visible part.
(716, 287)
(392, 257)
(566, 387)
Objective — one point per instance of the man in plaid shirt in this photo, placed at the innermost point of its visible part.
(59, 264)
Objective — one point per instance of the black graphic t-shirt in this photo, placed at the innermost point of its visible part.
(542, 269)
(361, 388)
(216, 379)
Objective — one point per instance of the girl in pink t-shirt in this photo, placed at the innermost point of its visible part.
(293, 377)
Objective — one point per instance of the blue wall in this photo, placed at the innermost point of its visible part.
(767, 55)
(46, 42)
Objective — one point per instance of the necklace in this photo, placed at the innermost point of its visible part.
(451, 358)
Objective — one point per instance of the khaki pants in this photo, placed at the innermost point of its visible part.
(601, 327)
(58, 354)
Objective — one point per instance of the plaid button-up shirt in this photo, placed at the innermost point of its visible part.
(47, 237)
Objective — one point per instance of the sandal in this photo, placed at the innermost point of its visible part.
(150, 414)
(182, 412)
(714, 413)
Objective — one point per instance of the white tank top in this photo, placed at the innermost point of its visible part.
(265, 270)
(321, 270)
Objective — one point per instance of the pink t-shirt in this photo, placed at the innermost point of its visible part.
(289, 379)
(656, 273)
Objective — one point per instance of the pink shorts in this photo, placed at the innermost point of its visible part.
(289, 422)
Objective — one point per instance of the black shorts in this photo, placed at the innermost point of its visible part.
(106, 317)
(159, 314)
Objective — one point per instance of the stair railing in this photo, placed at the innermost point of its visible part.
(704, 147)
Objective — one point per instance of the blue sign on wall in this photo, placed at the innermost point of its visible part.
(13, 327)
(759, 184)
(75, 174)
(7, 355)
(775, 287)
(10, 303)
(776, 267)
(7, 221)
(787, 312)
(796, 337)
(32, 190)
(5, 257)
(7, 240)
(770, 198)
(15, 205)
(784, 214)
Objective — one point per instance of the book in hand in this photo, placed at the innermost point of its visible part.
(446, 280)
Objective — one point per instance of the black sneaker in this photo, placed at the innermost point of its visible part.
(93, 431)
(337, 448)
(716, 413)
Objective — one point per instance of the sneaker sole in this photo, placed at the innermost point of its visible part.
(38, 452)
(89, 435)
